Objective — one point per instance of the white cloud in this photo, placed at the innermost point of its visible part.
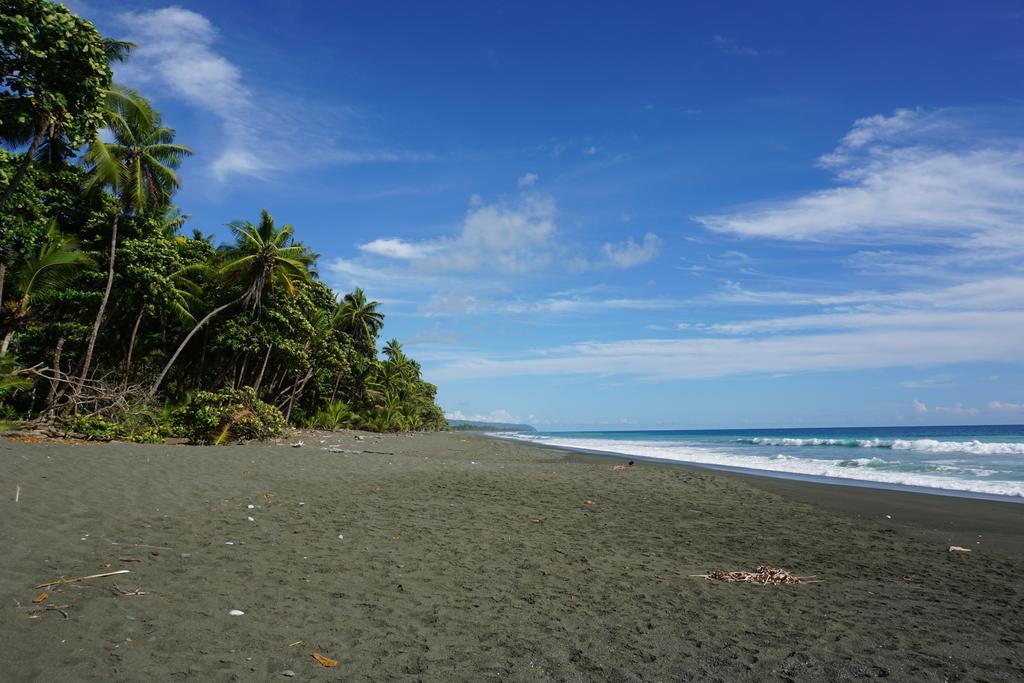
(936, 382)
(957, 409)
(910, 178)
(467, 303)
(920, 408)
(590, 151)
(396, 248)
(500, 415)
(629, 254)
(509, 236)
(527, 180)
(987, 293)
(732, 47)
(505, 237)
(176, 50)
(993, 338)
(1006, 407)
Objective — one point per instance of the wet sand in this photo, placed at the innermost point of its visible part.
(467, 558)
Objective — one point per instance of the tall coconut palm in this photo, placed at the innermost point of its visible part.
(262, 258)
(138, 166)
(360, 318)
(45, 273)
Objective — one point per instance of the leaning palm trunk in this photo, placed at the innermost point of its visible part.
(181, 347)
(87, 362)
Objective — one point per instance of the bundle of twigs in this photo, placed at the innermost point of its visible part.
(763, 575)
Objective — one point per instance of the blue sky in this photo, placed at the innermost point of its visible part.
(598, 215)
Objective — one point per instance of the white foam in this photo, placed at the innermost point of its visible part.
(972, 447)
(861, 469)
(920, 445)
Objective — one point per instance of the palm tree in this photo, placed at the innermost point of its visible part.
(138, 167)
(43, 274)
(393, 350)
(360, 318)
(263, 257)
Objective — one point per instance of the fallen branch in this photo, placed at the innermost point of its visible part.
(61, 581)
(763, 575)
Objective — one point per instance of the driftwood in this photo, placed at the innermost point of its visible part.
(763, 575)
(61, 581)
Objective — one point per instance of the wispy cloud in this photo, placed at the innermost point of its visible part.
(472, 303)
(993, 338)
(910, 178)
(177, 50)
(936, 382)
(732, 47)
(1004, 407)
(500, 415)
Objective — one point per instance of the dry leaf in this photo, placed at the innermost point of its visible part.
(39, 598)
(325, 661)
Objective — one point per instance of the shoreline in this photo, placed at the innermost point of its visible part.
(777, 474)
(465, 557)
(1000, 522)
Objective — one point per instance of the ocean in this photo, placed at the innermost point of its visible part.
(986, 461)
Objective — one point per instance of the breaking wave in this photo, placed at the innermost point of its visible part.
(920, 445)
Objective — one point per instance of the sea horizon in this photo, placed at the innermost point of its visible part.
(977, 461)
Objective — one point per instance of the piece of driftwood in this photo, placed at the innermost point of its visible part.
(958, 549)
(42, 609)
(763, 575)
(61, 581)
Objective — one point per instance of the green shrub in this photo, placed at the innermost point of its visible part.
(335, 415)
(139, 429)
(228, 415)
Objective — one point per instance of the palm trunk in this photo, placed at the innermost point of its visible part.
(185, 341)
(51, 397)
(241, 373)
(22, 168)
(131, 344)
(103, 307)
(7, 341)
(295, 391)
(3, 276)
(263, 368)
(337, 381)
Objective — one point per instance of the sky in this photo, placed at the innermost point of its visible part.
(622, 215)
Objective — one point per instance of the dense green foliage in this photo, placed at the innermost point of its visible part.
(228, 415)
(111, 313)
(54, 72)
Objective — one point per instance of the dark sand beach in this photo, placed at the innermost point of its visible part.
(459, 557)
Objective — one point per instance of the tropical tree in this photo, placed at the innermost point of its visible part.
(360, 318)
(138, 166)
(47, 271)
(264, 257)
(54, 72)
